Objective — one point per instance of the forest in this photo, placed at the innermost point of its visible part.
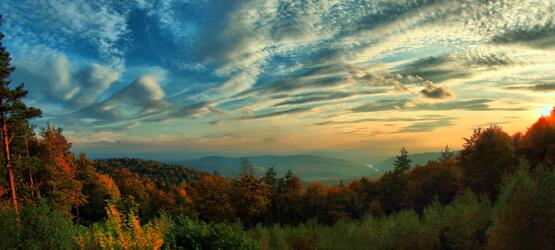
(498, 192)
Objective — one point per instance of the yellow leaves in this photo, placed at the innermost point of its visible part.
(123, 232)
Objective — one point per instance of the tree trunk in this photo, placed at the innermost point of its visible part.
(31, 182)
(7, 159)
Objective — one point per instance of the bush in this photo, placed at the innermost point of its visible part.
(189, 234)
(123, 232)
(37, 228)
(525, 212)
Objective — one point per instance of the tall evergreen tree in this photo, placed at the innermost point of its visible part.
(446, 154)
(270, 177)
(402, 162)
(13, 113)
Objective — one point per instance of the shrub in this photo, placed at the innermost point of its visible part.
(189, 234)
(525, 212)
(123, 232)
(37, 228)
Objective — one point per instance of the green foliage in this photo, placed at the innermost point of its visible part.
(429, 182)
(189, 234)
(163, 174)
(487, 157)
(461, 225)
(402, 162)
(525, 212)
(37, 228)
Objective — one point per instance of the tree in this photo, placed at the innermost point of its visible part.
(250, 198)
(487, 156)
(427, 183)
(402, 162)
(210, 196)
(270, 177)
(538, 143)
(446, 154)
(246, 166)
(525, 212)
(287, 200)
(58, 173)
(13, 112)
(366, 191)
(271, 180)
(100, 189)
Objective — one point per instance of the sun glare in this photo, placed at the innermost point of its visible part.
(544, 111)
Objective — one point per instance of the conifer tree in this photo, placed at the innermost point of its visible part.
(402, 162)
(270, 177)
(446, 154)
(13, 113)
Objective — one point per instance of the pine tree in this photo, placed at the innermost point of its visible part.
(270, 177)
(446, 154)
(13, 113)
(402, 162)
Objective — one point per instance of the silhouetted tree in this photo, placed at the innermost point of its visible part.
(538, 143)
(427, 183)
(366, 191)
(288, 199)
(446, 154)
(402, 162)
(488, 155)
(270, 177)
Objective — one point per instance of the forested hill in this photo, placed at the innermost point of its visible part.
(307, 167)
(154, 170)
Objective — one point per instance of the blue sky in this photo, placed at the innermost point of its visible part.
(249, 77)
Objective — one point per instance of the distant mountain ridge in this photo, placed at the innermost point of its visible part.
(307, 167)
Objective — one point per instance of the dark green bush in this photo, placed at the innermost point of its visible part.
(525, 212)
(189, 234)
(38, 228)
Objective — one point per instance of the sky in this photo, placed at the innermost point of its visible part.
(352, 78)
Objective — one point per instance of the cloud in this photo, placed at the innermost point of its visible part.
(91, 82)
(427, 126)
(278, 113)
(415, 105)
(313, 97)
(141, 98)
(64, 23)
(540, 87)
(389, 119)
(435, 91)
(383, 78)
(51, 78)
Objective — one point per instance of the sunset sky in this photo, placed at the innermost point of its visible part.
(352, 78)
